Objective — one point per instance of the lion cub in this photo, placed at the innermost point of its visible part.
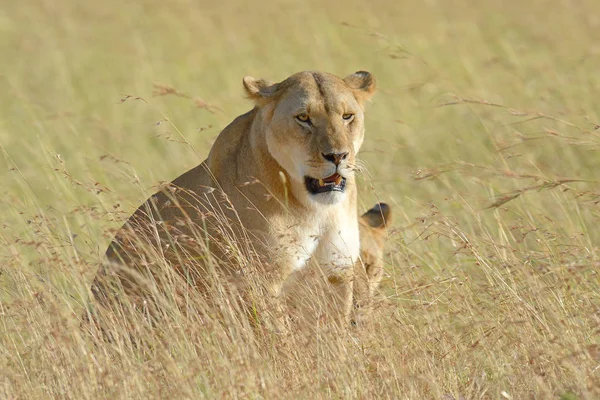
(368, 270)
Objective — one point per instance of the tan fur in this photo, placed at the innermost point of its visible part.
(373, 227)
(251, 190)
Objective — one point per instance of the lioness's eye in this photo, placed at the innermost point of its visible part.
(303, 118)
(348, 116)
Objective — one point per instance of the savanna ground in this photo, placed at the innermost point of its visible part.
(484, 137)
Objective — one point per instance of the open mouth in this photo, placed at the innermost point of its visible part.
(333, 183)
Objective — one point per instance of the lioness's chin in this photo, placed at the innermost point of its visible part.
(327, 198)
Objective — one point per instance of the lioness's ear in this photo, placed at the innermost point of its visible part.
(259, 88)
(379, 216)
(363, 84)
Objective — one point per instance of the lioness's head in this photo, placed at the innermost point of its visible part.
(314, 128)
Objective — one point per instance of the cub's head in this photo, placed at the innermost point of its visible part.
(314, 127)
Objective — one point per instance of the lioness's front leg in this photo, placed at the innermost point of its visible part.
(336, 255)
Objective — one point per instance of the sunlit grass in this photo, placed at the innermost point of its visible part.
(484, 138)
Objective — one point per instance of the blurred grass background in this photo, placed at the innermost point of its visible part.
(480, 104)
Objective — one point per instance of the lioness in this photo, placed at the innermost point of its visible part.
(277, 188)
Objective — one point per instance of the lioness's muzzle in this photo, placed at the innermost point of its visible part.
(333, 183)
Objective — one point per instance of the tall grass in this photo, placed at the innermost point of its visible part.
(484, 137)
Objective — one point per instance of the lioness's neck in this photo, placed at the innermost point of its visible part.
(240, 158)
(265, 168)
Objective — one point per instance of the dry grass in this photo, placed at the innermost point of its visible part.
(484, 138)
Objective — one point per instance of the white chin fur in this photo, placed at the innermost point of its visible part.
(328, 198)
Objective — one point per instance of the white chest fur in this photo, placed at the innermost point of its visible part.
(331, 238)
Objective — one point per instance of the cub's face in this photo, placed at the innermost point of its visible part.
(315, 128)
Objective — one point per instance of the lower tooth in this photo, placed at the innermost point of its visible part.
(321, 182)
(338, 180)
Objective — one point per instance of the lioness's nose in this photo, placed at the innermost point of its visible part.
(335, 158)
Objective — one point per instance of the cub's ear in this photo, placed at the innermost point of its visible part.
(379, 216)
(257, 89)
(363, 84)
